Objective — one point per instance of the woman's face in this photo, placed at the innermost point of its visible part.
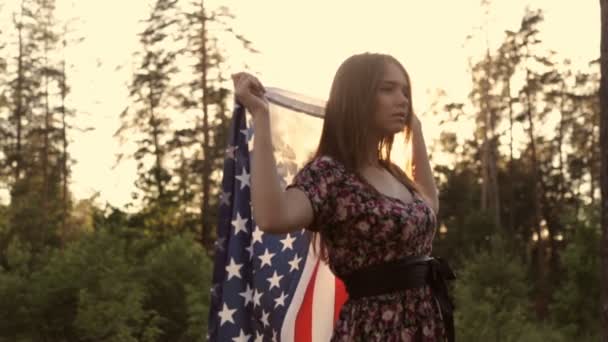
(392, 103)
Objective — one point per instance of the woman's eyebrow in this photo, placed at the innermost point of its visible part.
(394, 83)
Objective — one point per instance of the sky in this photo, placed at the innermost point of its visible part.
(301, 45)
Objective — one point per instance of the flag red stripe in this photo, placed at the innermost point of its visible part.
(303, 326)
(341, 297)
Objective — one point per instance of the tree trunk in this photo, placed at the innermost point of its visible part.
(206, 160)
(543, 297)
(158, 155)
(19, 110)
(604, 168)
(560, 139)
(489, 195)
(511, 170)
(485, 146)
(46, 150)
(493, 172)
(64, 152)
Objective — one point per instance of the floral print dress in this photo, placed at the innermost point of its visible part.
(364, 227)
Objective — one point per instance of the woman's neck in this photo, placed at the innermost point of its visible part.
(372, 157)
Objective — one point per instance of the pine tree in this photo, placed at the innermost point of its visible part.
(152, 91)
(603, 96)
(208, 30)
(32, 137)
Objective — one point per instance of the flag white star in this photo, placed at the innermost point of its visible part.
(219, 243)
(265, 318)
(226, 315)
(257, 235)
(259, 337)
(248, 132)
(281, 300)
(274, 280)
(214, 289)
(248, 294)
(239, 224)
(274, 336)
(266, 258)
(243, 178)
(288, 242)
(233, 269)
(256, 297)
(295, 263)
(225, 198)
(230, 151)
(241, 338)
(250, 250)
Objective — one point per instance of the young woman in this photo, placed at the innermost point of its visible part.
(376, 224)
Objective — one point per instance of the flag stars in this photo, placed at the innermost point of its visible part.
(274, 280)
(288, 242)
(274, 336)
(257, 235)
(248, 295)
(248, 132)
(280, 301)
(233, 269)
(240, 224)
(213, 290)
(242, 337)
(226, 315)
(243, 178)
(266, 258)
(265, 318)
(230, 151)
(219, 244)
(295, 263)
(250, 250)
(256, 298)
(225, 198)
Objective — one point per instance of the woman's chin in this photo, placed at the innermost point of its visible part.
(396, 128)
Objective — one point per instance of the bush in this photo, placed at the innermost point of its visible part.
(491, 296)
(103, 287)
(575, 305)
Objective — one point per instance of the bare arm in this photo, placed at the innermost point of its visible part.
(421, 167)
(274, 210)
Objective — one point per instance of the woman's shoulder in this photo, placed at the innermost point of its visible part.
(325, 162)
(323, 168)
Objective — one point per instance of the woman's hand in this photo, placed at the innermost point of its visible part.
(249, 91)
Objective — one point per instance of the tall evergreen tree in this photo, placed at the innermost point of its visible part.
(152, 92)
(603, 95)
(32, 137)
(209, 31)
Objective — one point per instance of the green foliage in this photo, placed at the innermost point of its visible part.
(180, 295)
(575, 305)
(100, 288)
(491, 295)
(488, 294)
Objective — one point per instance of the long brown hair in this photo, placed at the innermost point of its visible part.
(349, 114)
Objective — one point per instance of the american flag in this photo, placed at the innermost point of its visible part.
(269, 287)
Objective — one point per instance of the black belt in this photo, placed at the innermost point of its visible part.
(410, 272)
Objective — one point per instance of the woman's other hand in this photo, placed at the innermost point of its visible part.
(249, 91)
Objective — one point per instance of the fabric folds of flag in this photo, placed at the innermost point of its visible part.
(270, 287)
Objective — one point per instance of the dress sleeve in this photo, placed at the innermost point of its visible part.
(318, 180)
